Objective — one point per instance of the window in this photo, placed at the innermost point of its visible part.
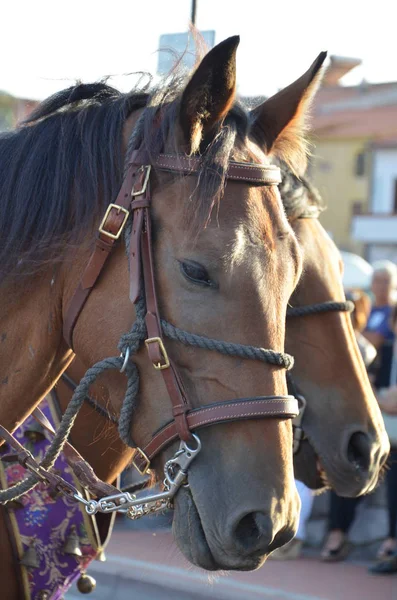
(360, 164)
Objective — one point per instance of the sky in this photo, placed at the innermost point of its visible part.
(46, 45)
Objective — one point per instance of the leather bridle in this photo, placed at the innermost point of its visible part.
(134, 199)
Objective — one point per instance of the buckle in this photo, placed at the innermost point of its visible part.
(114, 236)
(145, 181)
(159, 366)
(141, 454)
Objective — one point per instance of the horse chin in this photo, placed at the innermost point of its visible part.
(192, 542)
(308, 468)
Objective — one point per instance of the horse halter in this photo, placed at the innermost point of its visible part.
(134, 199)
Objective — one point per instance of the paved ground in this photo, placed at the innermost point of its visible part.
(144, 564)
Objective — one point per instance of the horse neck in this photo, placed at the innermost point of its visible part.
(94, 436)
(32, 351)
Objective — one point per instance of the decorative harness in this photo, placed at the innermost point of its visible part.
(134, 199)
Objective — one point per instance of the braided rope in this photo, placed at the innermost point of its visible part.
(280, 359)
(323, 307)
(58, 442)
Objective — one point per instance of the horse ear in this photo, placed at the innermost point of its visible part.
(210, 92)
(280, 123)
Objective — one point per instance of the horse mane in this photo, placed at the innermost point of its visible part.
(69, 147)
(298, 194)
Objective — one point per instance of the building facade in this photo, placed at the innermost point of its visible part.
(354, 162)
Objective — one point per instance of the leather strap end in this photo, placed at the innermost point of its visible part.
(135, 255)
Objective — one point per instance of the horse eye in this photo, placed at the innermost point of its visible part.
(196, 273)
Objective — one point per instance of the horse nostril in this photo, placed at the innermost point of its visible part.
(359, 451)
(253, 532)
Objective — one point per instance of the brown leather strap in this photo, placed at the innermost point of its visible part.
(178, 163)
(108, 233)
(155, 343)
(221, 412)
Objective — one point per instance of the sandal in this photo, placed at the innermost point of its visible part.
(384, 567)
(387, 549)
(336, 554)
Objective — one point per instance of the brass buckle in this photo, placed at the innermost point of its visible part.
(159, 341)
(114, 236)
(145, 182)
(146, 467)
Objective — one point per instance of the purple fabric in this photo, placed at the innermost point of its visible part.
(49, 521)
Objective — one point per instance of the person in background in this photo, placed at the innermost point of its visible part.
(387, 399)
(378, 330)
(342, 510)
(293, 549)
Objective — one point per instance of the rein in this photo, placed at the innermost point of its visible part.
(134, 199)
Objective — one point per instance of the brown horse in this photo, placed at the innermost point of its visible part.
(347, 418)
(96, 436)
(349, 408)
(59, 173)
(346, 443)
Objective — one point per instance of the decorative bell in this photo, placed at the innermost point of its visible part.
(43, 595)
(35, 433)
(30, 560)
(72, 544)
(86, 584)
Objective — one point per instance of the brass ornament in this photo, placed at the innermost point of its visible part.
(86, 584)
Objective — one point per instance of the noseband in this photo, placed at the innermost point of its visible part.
(134, 200)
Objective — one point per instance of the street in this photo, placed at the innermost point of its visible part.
(145, 564)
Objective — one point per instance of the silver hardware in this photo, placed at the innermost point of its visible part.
(126, 359)
(175, 472)
(298, 433)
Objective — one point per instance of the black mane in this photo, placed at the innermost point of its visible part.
(69, 148)
(298, 195)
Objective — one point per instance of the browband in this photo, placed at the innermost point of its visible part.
(189, 165)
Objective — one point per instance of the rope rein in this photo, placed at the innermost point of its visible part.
(323, 307)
